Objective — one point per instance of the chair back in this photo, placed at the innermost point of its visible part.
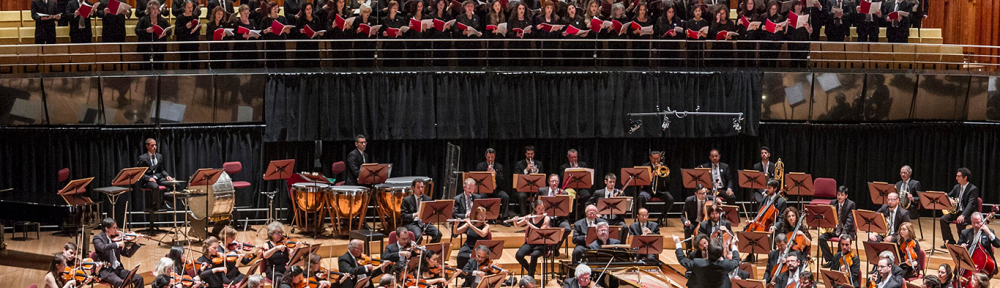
(392, 236)
(63, 174)
(338, 167)
(232, 167)
(825, 188)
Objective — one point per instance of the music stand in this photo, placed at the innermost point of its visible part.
(934, 201)
(579, 178)
(277, 170)
(206, 177)
(435, 212)
(546, 237)
(753, 243)
(614, 232)
(496, 247)
(126, 177)
(833, 278)
(613, 205)
(529, 183)
(647, 245)
(493, 281)
(486, 182)
(373, 173)
(363, 281)
(821, 216)
(442, 249)
(960, 256)
(732, 214)
(800, 184)
(301, 255)
(872, 249)
(744, 283)
(879, 190)
(72, 193)
(752, 179)
(559, 205)
(128, 278)
(636, 176)
(693, 177)
(492, 206)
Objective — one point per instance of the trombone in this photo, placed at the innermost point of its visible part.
(661, 171)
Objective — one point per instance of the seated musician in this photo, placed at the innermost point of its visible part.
(931, 281)
(155, 173)
(721, 176)
(765, 165)
(316, 269)
(432, 272)
(944, 274)
(555, 221)
(580, 232)
(526, 281)
(295, 278)
(527, 166)
(400, 251)
(536, 220)
(714, 223)
(581, 278)
(908, 247)
(352, 262)
(276, 253)
(966, 193)
(108, 247)
(163, 271)
(255, 281)
(642, 227)
(787, 226)
(212, 264)
(845, 224)
(895, 269)
(609, 191)
(790, 277)
(235, 247)
(54, 279)
(771, 199)
(69, 253)
(387, 281)
(807, 279)
(694, 207)
(987, 240)
(884, 278)
(774, 256)
(979, 280)
(474, 231)
(463, 202)
(475, 268)
(490, 165)
(583, 195)
(411, 218)
(847, 260)
(179, 258)
(661, 185)
(603, 237)
(894, 216)
(709, 272)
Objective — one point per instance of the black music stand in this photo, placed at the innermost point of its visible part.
(934, 201)
(799, 184)
(832, 278)
(435, 212)
(748, 283)
(496, 247)
(869, 221)
(693, 177)
(821, 216)
(752, 179)
(277, 170)
(486, 182)
(127, 281)
(373, 173)
(880, 190)
(753, 243)
(126, 177)
(547, 237)
(492, 206)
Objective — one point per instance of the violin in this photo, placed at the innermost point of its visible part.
(365, 260)
(291, 243)
(89, 263)
(490, 268)
(185, 281)
(128, 237)
(909, 250)
(325, 274)
(312, 282)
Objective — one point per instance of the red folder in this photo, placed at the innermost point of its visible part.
(461, 26)
(636, 26)
(744, 21)
(572, 30)
(219, 34)
(310, 32)
(671, 33)
(242, 30)
(157, 30)
(415, 25)
(439, 25)
(393, 32)
(365, 28)
(866, 7)
(692, 34)
(339, 22)
(194, 23)
(113, 6)
(277, 27)
(770, 26)
(596, 24)
(894, 16)
(85, 10)
(721, 35)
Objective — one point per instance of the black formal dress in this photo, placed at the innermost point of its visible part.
(218, 54)
(190, 59)
(275, 51)
(112, 25)
(45, 30)
(535, 251)
(722, 52)
(152, 52)
(696, 47)
(354, 161)
(307, 52)
(771, 49)
(669, 52)
(245, 55)
(277, 264)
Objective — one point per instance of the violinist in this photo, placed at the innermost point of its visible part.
(894, 215)
(109, 246)
(474, 231)
(179, 259)
(845, 223)
(54, 278)
(400, 251)
(581, 278)
(431, 273)
(694, 207)
(212, 264)
(69, 253)
(537, 220)
(474, 270)
(908, 247)
(276, 252)
(884, 278)
(580, 232)
(245, 249)
(847, 260)
(643, 227)
(315, 269)
(944, 274)
(411, 219)
(979, 280)
(602, 237)
(294, 278)
(988, 240)
(164, 273)
(350, 263)
(790, 277)
(801, 241)
(709, 272)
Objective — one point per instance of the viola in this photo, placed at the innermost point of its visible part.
(312, 282)
(218, 260)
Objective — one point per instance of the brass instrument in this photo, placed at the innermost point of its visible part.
(779, 173)
(661, 171)
(953, 209)
(904, 200)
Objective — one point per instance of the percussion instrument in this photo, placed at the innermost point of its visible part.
(309, 196)
(389, 197)
(349, 202)
(212, 203)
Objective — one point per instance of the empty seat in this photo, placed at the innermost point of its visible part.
(9, 36)
(27, 35)
(10, 19)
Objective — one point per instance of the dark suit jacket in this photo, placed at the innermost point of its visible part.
(707, 273)
(347, 264)
(581, 164)
(968, 235)
(902, 216)
(501, 174)
(855, 266)
(596, 244)
(968, 201)
(354, 161)
(391, 252)
(724, 173)
(706, 226)
(460, 207)
(519, 167)
(544, 191)
(409, 207)
(471, 266)
(156, 171)
(662, 184)
(580, 230)
(691, 209)
(772, 261)
(769, 172)
(76, 33)
(105, 250)
(914, 187)
(845, 218)
(37, 6)
(894, 282)
(636, 229)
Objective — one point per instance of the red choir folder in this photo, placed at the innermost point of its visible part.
(441, 25)
(574, 31)
(869, 7)
(596, 24)
(114, 6)
(721, 35)
(619, 26)
(194, 23)
(310, 32)
(415, 25)
(797, 21)
(368, 29)
(461, 26)
(744, 21)
(85, 10)
(342, 23)
(549, 27)
(221, 33)
(670, 33)
(277, 27)
(159, 30)
(896, 16)
(770, 26)
(692, 34)
(396, 32)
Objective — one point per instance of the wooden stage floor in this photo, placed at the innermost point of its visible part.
(24, 261)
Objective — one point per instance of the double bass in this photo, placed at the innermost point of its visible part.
(981, 257)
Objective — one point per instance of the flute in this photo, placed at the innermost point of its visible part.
(515, 219)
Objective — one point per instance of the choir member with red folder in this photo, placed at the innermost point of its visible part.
(342, 25)
(669, 27)
(867, 21)
(641, 23)
(771, 31)
(799, 33)
(308, 27)
(616, 49)
(364, 50)
(112, 22)
(573, 30)
(839, 14)
(469, 26)
(695, 45)
(186, 28)
(748, 24)
(519, 27)
(276, 27)
(897, 20)
(496, 16)
(246, 29)
(152, 28)
(78, 12)
(723, 31)
(391, 25)
(217, 20)
(418, 30)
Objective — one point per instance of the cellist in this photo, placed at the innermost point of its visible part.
(773, 201)
(987, 241)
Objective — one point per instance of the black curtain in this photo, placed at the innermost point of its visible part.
(505, 105)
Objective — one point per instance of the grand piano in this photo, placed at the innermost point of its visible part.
(624, 270)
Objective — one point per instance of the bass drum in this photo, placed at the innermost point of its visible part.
(309, 196)
(347, 202)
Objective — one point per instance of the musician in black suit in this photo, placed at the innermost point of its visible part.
(45, 26)
(580, 232)
(572, 157)
(355, 159)
(348, 263)
(555, 221)
(603, 237)
(400, 251)
(153, 175)
(642, 227)
(897, 31)
(714, 222)
(609, 191)
(409, 208)
(708, 272)
(912, 187)
(464, 201)
(764, 166)
(662, 186)
(527, 166)
(840, 14)
(794, 264)
(79, 26)
(894, 216)
(855, 262)
(490, 165)
(885, 278)
(967, 195)
(581, 277)
(472, 273)
(694, 212)
(987, 239)
(110, 251)
(775, 255)
(721, 176)
(845, 223)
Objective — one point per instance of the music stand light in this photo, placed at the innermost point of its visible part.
(693, 177)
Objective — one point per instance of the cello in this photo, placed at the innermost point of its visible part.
(981, 257)
(781, 264)
(765, 217)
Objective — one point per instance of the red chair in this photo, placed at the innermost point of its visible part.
(63, 175)
(338, 167)
(921, 264)
(93, 255)
(825, 191)
(233, 168)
